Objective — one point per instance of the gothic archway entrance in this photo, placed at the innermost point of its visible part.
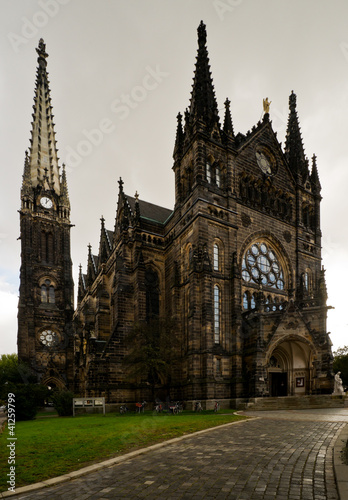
(290, 369)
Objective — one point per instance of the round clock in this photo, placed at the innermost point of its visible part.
(46, 202)
(265, 161)
(49, 338)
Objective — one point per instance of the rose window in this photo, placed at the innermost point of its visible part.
(261, 266)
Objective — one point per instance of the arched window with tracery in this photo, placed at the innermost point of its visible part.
(48, 293)
(264, 279)
(261, 266)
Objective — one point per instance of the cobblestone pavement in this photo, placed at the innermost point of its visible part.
(282, 455)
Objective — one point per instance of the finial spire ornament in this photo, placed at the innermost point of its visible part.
(120, 184)
(292, 101)
(41, 50)
(202, 34)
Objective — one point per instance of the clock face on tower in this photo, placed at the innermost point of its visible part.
(265, 161)
(46, 202)
(49, 338)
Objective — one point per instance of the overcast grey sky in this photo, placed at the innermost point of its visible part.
(125, 68)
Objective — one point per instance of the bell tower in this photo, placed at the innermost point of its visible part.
(46, 304)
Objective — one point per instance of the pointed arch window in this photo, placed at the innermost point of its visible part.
(47, 247)
(216, 259)
(208, 172)
(218, 176)
(246, 301)
(48, 295)
(217, 314)
(307, 281)
(253, 301)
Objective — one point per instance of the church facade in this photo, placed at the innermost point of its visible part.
(221, 297)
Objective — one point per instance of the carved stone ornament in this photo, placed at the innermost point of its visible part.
(246, 220)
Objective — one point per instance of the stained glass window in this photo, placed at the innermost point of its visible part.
(261, 266)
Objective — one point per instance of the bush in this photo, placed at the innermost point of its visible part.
(63, 402)
(28, 397)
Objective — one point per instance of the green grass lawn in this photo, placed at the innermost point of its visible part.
(49, 447)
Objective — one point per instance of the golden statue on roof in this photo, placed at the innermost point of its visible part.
(266, 105)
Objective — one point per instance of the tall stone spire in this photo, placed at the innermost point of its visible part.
(294, 150)
(43, 158)
(203, 104)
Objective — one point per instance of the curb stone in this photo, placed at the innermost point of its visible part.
(340, 468)
(112, 461)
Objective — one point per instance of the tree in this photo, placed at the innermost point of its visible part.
(9, 369)
(340, 363)
(154, 349)
(17, 378)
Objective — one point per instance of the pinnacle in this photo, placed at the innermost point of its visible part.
(294, 150)
(228, 127)
(179, 136)
(203, 104)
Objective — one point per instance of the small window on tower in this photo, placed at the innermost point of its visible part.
(44, 294)
(208, 172)
(216, 257)
(218, 176)
(48, 293)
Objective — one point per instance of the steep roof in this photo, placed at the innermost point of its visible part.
(150, 211)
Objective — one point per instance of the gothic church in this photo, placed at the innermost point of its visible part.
(230, 279)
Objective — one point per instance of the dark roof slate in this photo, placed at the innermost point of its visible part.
(150, 211)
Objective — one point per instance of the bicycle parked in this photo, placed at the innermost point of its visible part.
(123, 409)
(158, 408)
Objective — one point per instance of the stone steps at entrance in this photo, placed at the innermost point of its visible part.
(296, 402)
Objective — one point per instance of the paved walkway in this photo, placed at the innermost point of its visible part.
(282, 455)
